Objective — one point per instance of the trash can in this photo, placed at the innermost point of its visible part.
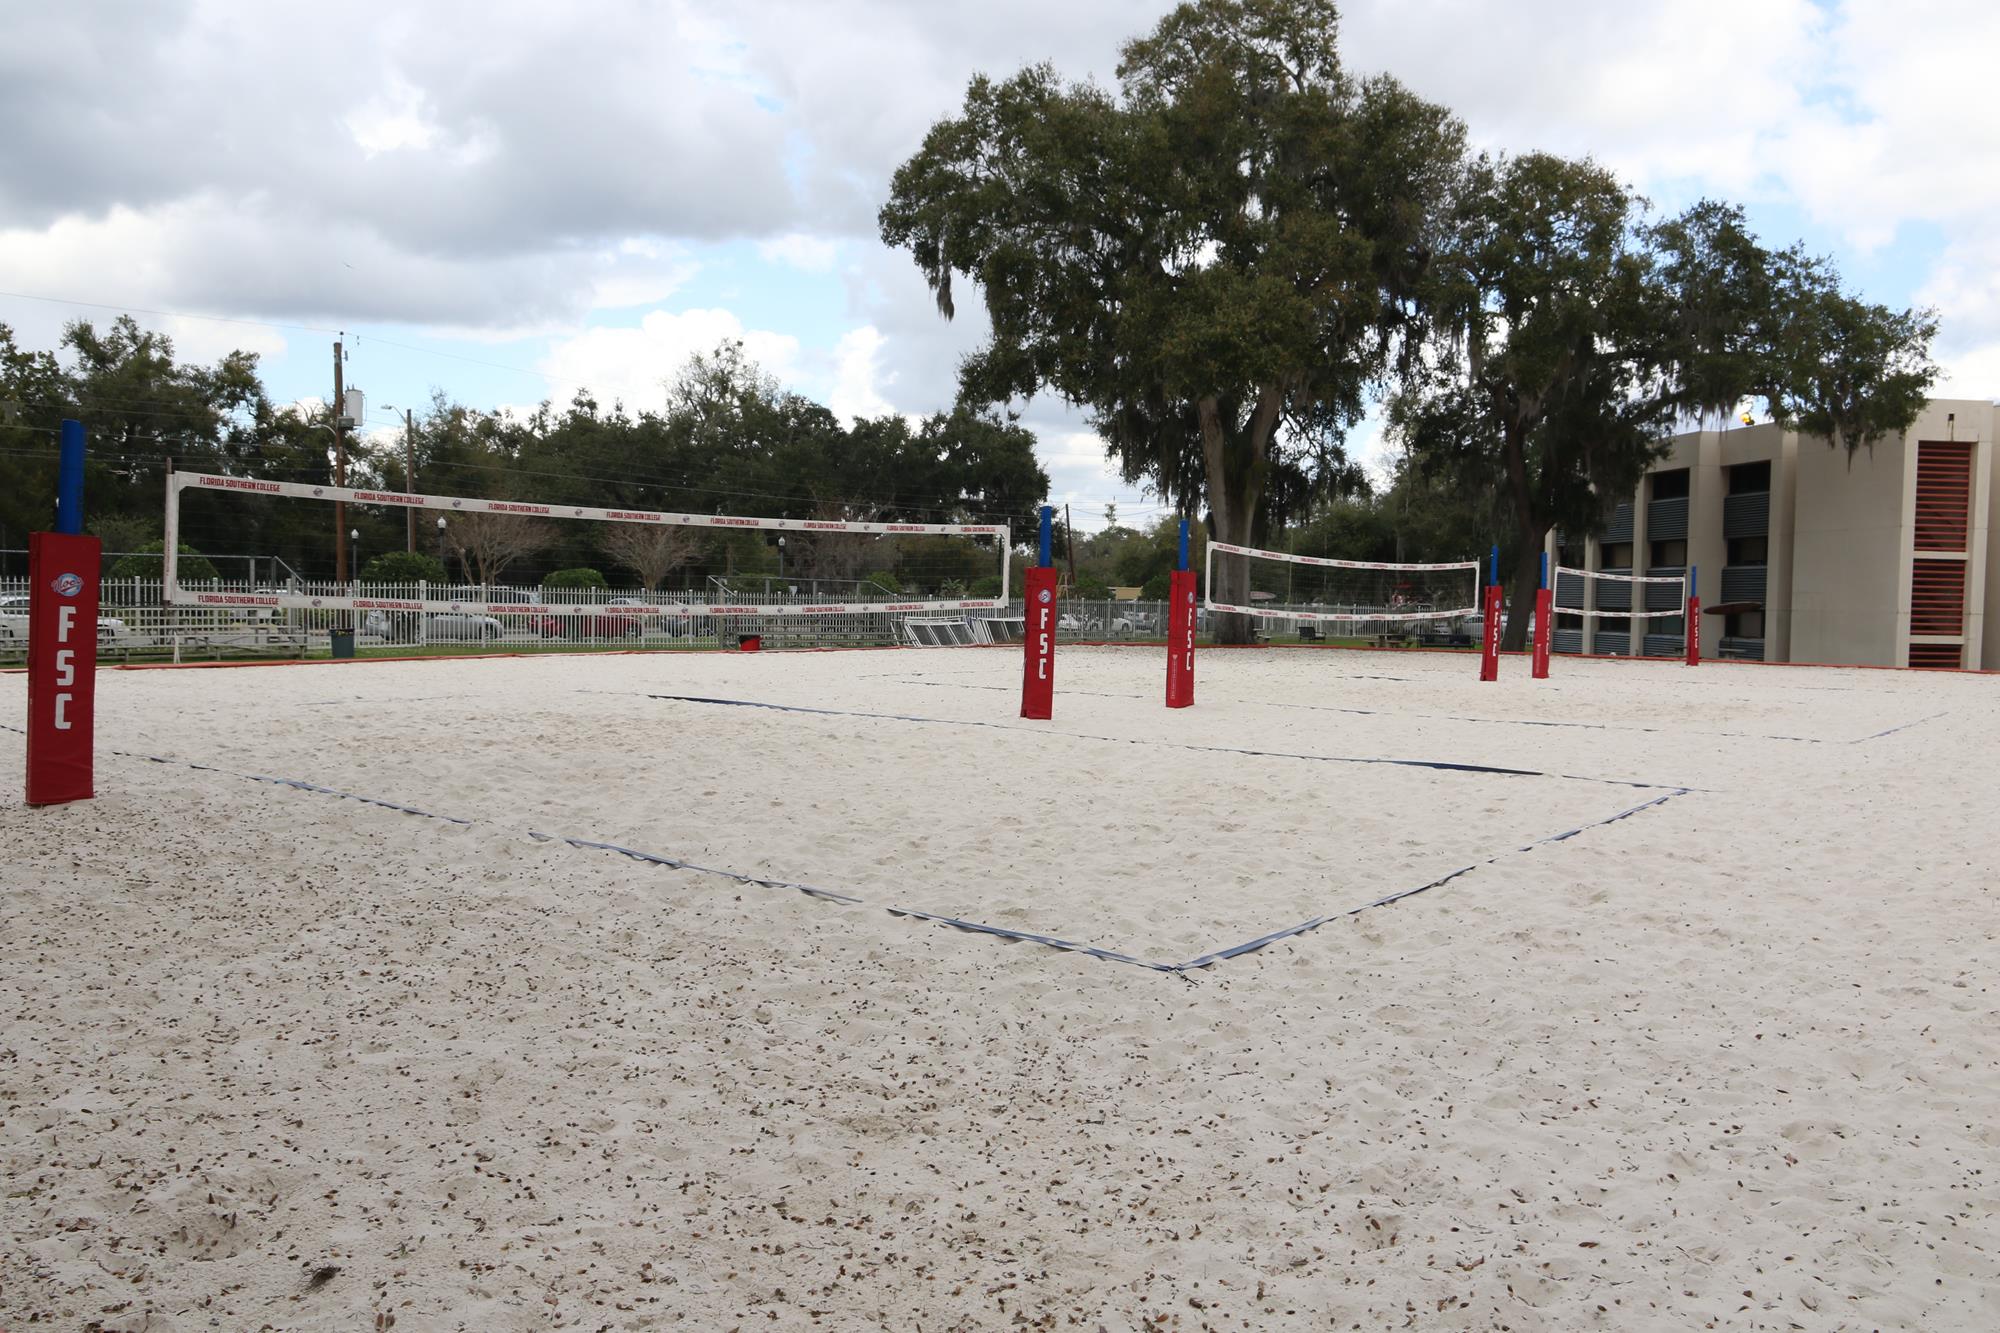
(343, 643)
(748, 643)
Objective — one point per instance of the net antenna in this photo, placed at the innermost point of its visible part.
(1646, 600)
(347, 597)
(1358, 597)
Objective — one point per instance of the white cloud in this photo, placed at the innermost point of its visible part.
(394, 118)
(856, 376)
(397, 171)
(634, 365)
(207, 341)
(809, 254)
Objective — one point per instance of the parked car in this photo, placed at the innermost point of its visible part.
(14, 622)
(591, 625)
(1475, 627)
(1448, 633)
(437, 627)
(510, 596)
(672, 626)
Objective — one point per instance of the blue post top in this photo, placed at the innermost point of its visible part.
(1496, 564)
(1048, 541)
(1183, 555)
(69, 479)
(1694, 580)
(1545, 569)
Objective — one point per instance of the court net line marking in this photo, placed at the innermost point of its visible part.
(1439, 765)
(849, 900)
(1456, 717)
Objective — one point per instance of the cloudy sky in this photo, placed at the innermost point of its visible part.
(509, 201)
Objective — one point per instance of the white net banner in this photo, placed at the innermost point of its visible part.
(462, 504)
(350, 598)
(1676, 579)
(303, 601)
(1634, 608)
(1319, 589)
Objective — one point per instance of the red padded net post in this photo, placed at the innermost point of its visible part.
(1544, 631)
(1038, 666)
(1180, 639)
(1489, 649)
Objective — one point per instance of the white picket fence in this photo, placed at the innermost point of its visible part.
(134, 625)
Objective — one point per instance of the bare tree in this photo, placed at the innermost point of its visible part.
(488, 543)
(650, 552)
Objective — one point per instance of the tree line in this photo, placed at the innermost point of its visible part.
(730, 439)
(1227, 259)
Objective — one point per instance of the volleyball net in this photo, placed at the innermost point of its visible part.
(1616, 613)
(838, 567)
(1363, 597)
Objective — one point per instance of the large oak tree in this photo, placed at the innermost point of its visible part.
(1217, 262)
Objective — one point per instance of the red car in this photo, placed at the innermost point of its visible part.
(591, 625)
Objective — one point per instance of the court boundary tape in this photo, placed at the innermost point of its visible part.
(1455, 717)
(1437, 765)
(1205, 960)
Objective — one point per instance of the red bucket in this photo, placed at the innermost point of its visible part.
(749, 643)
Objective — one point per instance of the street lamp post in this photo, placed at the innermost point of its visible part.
(409, 475)
(441, 547)
(354, 538)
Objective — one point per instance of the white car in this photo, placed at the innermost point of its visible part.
(438, 626)
(14, 622)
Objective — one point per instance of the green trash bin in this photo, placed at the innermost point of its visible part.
(343, 644)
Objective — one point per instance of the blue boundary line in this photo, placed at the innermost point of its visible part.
(1438, 765)
(957, 923)
(1455, 717)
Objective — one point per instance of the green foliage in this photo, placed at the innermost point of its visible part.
(1569, 351)
(1574, 334)
(149, 562)
(575, 578)
(403, 567)
(1156, 588)
(1350, 528)
(884, 580)
(731, 440)
(1234, 242)
(927, 564)
(127, 532)
(1838, 367)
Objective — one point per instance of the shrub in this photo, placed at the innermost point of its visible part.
(403, 567)
(575, 578)
(149, 562)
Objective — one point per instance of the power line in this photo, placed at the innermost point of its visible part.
(360, 338)
(169, 314)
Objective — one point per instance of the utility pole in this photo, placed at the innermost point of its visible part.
(339, 472)
(1069, 540)
(409, 479)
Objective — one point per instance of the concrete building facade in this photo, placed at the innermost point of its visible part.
(1805, 554)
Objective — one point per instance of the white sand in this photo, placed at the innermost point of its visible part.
(1732, 1060)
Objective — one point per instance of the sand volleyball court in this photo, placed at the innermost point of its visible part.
(820, 990)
